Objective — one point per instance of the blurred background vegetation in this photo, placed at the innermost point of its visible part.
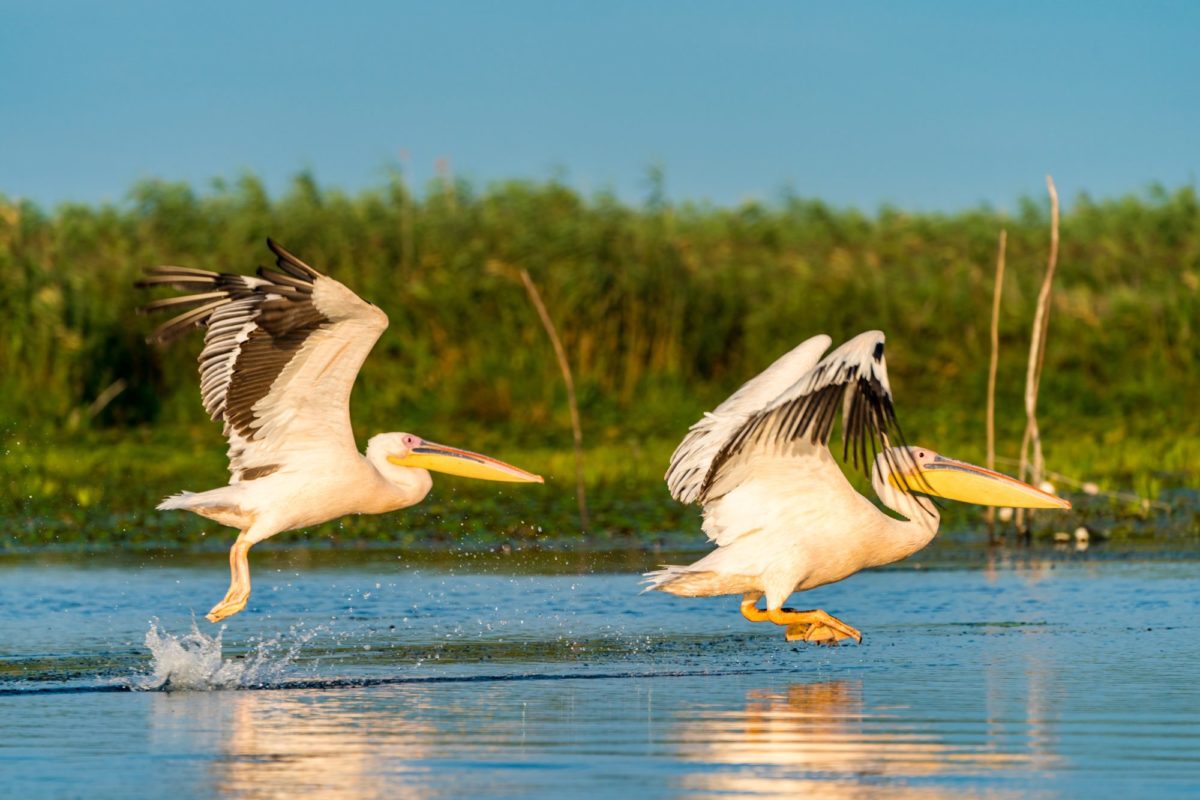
(664, 308)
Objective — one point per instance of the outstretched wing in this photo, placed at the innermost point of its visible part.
(693, 458)
(281, 353)
(854, 378)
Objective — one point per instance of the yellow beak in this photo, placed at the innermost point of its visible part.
(958, 480)
(464, 463)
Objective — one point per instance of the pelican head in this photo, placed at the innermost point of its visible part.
(922, 471)
(409, 450)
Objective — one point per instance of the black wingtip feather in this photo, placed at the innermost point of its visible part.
(289, 263)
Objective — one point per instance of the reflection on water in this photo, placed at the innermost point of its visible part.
(824, 739)
(296, 744)
(821, 740)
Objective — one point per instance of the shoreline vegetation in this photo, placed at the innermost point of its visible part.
(663, 309)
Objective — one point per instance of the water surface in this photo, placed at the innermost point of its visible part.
(374, 676)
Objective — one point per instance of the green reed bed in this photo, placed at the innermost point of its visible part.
(663, 310)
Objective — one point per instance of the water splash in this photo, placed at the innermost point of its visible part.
(194, 661)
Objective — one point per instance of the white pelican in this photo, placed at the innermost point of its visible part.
(776, 504)
(280, 356)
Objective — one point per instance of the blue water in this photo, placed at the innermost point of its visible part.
(377, 676)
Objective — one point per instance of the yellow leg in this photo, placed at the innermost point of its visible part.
(813, 625)
(239, 583)
(750, 608)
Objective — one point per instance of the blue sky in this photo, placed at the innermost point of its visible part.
(922, 105)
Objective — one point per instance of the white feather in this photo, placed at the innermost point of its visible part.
(692, 458)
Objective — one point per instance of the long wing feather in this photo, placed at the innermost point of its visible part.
(693, 457)
(854, 378)
(281, 354)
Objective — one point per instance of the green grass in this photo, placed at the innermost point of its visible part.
(100, 491)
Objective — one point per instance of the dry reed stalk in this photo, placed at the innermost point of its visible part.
(1037, 356)
(992, 366)
(561, 354)
(106, 397)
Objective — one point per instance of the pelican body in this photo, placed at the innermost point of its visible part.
(777, 504)
(281, 353)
